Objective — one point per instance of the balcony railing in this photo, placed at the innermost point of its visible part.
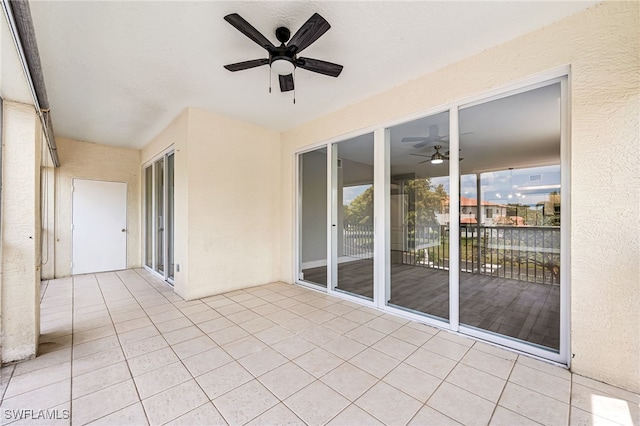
(524, 253)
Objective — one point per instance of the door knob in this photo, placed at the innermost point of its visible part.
(123, 230)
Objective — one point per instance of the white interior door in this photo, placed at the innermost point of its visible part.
(99, 226)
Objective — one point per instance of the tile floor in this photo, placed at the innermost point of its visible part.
(122, 348)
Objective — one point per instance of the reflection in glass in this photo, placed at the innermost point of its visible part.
(510, 217)
(353, 172)
(170, 214)
(313, 217)
(419, 217)
(148, 222)
(159, 212)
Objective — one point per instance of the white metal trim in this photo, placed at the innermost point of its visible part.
(565, 220)
(454, 220)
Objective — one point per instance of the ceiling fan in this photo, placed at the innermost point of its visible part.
(433, 137)
(437, 157)
(284, 59)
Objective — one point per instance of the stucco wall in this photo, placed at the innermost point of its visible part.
(85, 160)
(20, 273)
(234, 185)
(601, 45)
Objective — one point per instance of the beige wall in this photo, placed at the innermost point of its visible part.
(20, 273)
(602, 47)
(227, 185)
(85, 160)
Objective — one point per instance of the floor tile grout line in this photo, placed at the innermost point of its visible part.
(506, 382)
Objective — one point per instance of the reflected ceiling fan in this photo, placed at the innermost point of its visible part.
(434, 138)
(284, 59)
(437, 157)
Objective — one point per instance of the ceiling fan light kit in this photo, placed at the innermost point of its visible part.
(283, 59)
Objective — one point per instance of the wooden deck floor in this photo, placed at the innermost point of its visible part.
(523, 310)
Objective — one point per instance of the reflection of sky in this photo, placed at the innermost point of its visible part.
(501, 187)
(351, 192)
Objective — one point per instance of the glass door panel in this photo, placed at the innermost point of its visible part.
(160, 215)
(312, 168)
(148, 216)
(419, 216)
(352, 218)
(510, 216)
(170, 215)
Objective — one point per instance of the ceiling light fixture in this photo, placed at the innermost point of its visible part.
(282, 66)
(437, 158)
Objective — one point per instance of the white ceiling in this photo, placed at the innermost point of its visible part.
(118, 72)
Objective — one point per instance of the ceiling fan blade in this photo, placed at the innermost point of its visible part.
(414, 139)
(420, 155)
(321, 67)
(247, 29)
(420, 145)
(239, 66)
(286, 83)
(309, 32)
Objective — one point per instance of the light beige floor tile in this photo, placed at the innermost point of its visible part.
(359, 316)
(432, 363)
(294, 347)
(277, 415)
(245, 403)
(228, 335)
(263, 361)
(396, 348)
(253, 303)
(274, 334)
(141, 347)
(256, 325)
(539, 381)
(266, 309)
(196, 308)
(160, 379)
(429, 416)
(388, 405)
(318, 362)
(203, 316)
(456, 338)
(579, 417)
(320, 316)
(316, 404)
(230, 309)
(99, 379)
(173, 324)
(193, 346)
(534, 405)
(374, 362)
(130, 314)
(138, 334)
(302, 309)
(605, 388)
(341, 325)
(161, 317)
(354, 416)
(412, 381)
(344, 347)
(133, 324)
(285, 380)
(348, 380)
(37, 379)
(173, 403)
(243, 316)
(42, 361)
(488, 363)
(96, 361)
(338, 309)
(215, 325)
(495, 350)
(365, 335)
(95, 346)
(446, 348)
(93, 334)
(319, 335)
(206, 361)
(544, 366)
(219, 302)
(383, 325)
(40, 399)
(243, 347)
(605, 405)
(131, 415)
(182, 335)
(281, 316)
(448, 399)
(206, 414)
(504, 417)
(151, 361)
(482, 384)
(223, 379)
(298, 324)
(105, 401)
(411, 335)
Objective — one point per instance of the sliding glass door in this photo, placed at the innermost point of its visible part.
(465, 227)
(159, 216)
(419, 219)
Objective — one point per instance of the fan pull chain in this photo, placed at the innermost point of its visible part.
(270, 78)
(294, 85)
